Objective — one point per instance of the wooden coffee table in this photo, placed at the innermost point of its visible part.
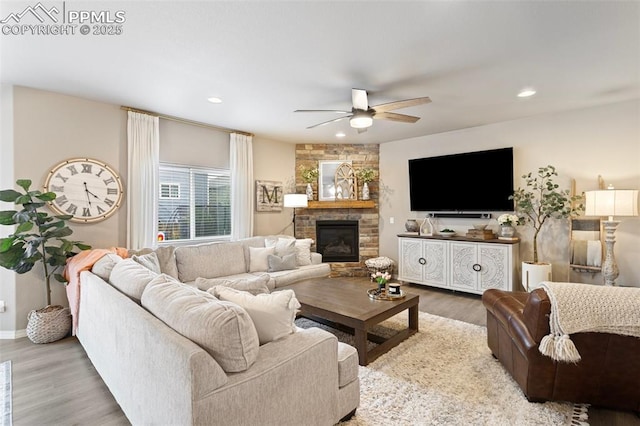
(345, 302)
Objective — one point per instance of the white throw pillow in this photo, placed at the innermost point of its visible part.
(277, 263)
(256, 285)
(149, 261)
(104, 265)
(222, 329)
(273, 314)
(303, 251)
(258, 258)
(283, 246)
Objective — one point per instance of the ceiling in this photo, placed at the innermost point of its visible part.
(266, 59)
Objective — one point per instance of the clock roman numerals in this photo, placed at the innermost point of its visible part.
(87, 189)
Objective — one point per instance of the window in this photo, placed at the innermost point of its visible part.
(169, 190)
(194, 203)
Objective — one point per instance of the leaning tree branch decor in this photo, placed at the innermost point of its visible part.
(38, 236)
(542, 200)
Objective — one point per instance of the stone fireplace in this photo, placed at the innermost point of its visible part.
(363, 213)
(338, 240)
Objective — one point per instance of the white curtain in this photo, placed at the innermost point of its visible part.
(142, 195)
(241, 163)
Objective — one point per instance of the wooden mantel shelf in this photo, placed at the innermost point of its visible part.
(342, 204)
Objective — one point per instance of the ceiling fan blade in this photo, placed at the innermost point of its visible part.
(401, 104)
(323, 110)
(359, 99)
(330, 121)
(395, 117)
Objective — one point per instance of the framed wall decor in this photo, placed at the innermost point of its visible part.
(326, 179)
(269, 196)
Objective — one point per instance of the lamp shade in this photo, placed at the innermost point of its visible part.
(611, 202)
(295, 200)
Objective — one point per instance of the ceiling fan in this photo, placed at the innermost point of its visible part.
(362, 115)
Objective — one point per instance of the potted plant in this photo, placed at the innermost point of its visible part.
(538, 202)
(365, 176)
(507, 223)
(38, 237)
(309, 175)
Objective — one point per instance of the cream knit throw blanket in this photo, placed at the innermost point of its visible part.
(577, 308)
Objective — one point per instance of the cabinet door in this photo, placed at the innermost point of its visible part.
(410, 268)
(464, 266)
(437, 260)
(494, 260)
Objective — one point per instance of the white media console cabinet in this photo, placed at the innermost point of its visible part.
(458, 263)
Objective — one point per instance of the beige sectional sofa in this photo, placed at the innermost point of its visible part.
(174, 354)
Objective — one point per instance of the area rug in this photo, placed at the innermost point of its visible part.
(445, 375)
(5, 393)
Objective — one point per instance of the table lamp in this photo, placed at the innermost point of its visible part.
(611, 202)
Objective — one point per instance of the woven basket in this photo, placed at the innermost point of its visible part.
(48, 324)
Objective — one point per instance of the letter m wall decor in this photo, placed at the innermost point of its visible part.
(269, 196)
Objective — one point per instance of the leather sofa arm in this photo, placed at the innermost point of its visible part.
(536, 314)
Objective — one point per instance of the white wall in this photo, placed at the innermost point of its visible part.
(581, 144)
(7, 278)
(273, 160)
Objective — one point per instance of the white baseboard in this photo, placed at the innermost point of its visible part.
(10, 335)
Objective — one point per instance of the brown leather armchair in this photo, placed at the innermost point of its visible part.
(608, 375)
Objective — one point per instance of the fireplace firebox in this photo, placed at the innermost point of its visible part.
(338, 240)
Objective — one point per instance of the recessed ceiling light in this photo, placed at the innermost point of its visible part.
(214, 100)
(525, 93)
(340, 135)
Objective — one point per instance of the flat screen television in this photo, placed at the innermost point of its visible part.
(480, 181)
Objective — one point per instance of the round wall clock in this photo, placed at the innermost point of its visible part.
(87, 189)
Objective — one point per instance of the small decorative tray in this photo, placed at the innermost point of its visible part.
(375, 294)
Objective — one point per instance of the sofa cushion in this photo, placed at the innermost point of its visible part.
(167, 260)
(149, 261)
(347, 364)
(254, 285)
(221, 328)
(131, 278)
(209, 260)
(258, 258)
(290, 276)
(104, 265)
(277, 263)
(273, 314)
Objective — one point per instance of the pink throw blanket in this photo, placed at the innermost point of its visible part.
(83, 261)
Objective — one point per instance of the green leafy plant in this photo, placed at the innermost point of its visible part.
(308, 175)
(38, 237)
(541, 200)
(365, 175)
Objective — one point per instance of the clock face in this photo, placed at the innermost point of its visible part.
(88, 189)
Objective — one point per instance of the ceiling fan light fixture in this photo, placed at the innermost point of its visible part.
(361, 121)
(526, 92)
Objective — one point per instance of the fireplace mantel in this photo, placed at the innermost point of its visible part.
(342, 204)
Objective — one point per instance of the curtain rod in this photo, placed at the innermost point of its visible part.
(185, 121)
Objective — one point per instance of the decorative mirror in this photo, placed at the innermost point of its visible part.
(327, 179)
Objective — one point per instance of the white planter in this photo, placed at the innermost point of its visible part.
(534, 273)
